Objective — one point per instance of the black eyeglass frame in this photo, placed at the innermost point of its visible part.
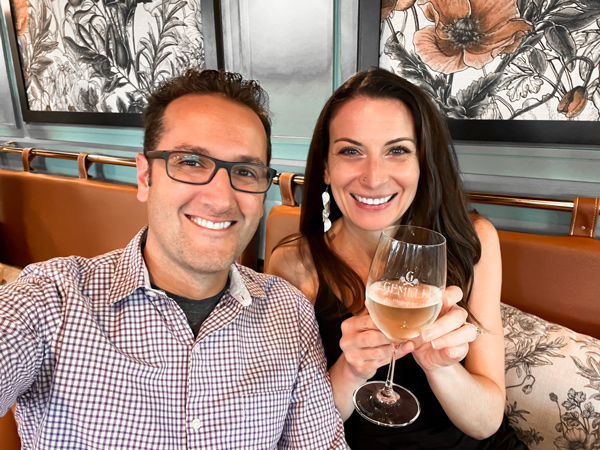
(219, 164)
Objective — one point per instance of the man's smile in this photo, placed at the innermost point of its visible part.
(204, 223)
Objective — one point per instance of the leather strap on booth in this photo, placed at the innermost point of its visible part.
(286, 186)
(83, 165)
(26, 158)
(584, 216)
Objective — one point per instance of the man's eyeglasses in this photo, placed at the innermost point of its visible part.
(194, 168)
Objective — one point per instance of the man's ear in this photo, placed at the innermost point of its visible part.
(143, 177)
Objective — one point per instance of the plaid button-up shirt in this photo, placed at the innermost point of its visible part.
(97, 359)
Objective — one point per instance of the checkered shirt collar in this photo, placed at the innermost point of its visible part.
(131, 273)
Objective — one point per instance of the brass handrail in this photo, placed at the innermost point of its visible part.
(129, 162)
(475, 197)
(552, 204)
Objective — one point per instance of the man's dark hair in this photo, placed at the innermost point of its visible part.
(195, 81)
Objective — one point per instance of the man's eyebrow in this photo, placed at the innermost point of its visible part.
(250, 159)
(203, 151)
(191, 148)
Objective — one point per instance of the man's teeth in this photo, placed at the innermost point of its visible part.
(373, 201)
(212, 225)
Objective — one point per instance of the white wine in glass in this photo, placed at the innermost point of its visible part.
(404, 296)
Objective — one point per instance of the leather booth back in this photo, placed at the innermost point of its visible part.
(9, 439)
(554, 277)
(44, 216)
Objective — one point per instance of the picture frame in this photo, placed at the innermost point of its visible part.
(7, 112)
(563, 52)
(94, 62)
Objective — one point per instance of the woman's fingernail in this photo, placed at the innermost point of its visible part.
(437, 344)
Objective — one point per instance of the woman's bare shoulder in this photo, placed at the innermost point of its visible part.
(485, 230)
(292, 262)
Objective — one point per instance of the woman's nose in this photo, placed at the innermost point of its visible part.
(375, 173)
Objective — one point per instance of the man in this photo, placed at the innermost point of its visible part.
(167, 344)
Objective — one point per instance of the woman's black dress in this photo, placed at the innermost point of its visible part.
(431, 430)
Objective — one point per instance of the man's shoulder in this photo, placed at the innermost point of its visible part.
(73, 264)
(270, 284)
(59, 270)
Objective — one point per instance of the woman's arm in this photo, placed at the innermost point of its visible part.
(473, 395)
(286, 262)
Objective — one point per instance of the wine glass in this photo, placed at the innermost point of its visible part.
(404, 295)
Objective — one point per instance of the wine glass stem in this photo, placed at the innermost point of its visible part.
(387, 394)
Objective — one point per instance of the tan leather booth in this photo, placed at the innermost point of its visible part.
(554, 277)
(9, 438)
(44, 216)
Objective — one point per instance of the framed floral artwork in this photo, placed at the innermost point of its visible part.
(504, 70)
(96, 61)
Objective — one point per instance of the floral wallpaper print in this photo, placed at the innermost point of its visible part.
(498, 59)
(552, 383)
(104, 55)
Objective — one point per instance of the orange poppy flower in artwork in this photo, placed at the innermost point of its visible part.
(387, 6)
(468, 33)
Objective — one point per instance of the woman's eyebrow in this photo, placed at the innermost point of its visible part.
(401, 139)
(351, 141)
(393, 141)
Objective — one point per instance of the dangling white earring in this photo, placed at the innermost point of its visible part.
(326, 201)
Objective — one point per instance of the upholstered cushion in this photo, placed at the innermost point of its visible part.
(552, 383)
(8, 274)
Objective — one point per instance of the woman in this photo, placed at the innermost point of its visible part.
(382, 149)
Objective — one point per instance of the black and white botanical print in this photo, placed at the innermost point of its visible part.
(552, 383)
(498, 60)
(104, 55)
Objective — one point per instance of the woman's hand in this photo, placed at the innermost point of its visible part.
(446, 341)
(366, 348)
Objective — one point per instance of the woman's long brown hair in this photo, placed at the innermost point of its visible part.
(439, 203)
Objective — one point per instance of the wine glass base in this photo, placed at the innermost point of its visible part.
(399, 414)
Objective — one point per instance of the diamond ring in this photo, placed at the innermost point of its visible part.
(478, 331)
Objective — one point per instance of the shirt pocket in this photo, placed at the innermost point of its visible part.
(264, 415)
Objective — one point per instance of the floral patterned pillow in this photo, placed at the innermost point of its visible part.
(552, 383)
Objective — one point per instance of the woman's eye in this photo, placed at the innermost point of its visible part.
(398, 150)
(349, 151)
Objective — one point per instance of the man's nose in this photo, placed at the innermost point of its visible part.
(218, 192)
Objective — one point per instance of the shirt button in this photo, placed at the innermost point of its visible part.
(196, 349)
(196, 424)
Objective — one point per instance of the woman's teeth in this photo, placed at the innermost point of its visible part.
(211, 225)
(372, 201)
